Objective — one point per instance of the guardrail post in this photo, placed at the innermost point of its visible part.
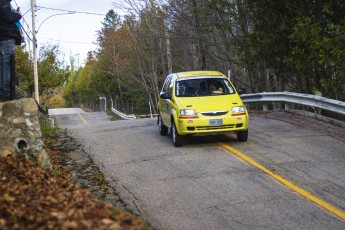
(150, 108)
(317, 111)
(265, 107)
(105, 103)
(286, 106)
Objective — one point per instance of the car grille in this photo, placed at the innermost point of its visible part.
(214, 127)
(221, 127)
(214, 113)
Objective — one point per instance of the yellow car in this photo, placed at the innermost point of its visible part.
(201, 102)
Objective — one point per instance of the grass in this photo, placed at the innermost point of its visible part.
(47, 128)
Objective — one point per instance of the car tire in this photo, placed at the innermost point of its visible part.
(177, 139)
(163, 130)
(242, 136)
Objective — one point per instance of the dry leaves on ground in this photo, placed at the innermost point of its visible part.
(34, 198)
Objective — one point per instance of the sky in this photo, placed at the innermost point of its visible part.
(75, 34)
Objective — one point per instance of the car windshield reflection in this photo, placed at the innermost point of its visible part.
(203, 87)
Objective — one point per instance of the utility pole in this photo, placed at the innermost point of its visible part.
(34, 55)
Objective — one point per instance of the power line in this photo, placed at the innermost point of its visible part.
(24, 23)
(27, 35)
(69, 11)
(82, 43)
(55, 9)
(16, 3)
(28, 27)
(28, 3)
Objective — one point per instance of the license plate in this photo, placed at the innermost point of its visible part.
(216, 122)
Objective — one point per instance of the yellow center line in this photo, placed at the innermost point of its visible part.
(337, 212)
(82, 118)
(65, 111)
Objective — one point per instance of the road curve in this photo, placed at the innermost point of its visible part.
(204, 185)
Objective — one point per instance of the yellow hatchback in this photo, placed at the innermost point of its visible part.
(201, 102)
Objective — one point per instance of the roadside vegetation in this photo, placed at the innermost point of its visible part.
(270, 46)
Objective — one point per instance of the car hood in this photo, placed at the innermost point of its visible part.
(209, 103)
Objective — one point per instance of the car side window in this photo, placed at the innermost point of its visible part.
(166, 85)
(170, 87)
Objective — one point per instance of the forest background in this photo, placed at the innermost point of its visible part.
(296, 46)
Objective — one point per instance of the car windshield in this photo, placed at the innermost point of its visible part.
(208, 86)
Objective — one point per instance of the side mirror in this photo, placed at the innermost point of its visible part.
(165, 96)
(241, 91)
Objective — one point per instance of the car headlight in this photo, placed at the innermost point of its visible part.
(188, 113)
(238, 110)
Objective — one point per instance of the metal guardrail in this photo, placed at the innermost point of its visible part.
(313, 101)
(122, 115)
(295, 98)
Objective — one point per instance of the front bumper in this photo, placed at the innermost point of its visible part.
(201, 125)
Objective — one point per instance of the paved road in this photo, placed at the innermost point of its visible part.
(289, 175)
(65, 111)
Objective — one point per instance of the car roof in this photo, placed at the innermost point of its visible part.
(198, 74)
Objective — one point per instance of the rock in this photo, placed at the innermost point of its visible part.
(20, 132)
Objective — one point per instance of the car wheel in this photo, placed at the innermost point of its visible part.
(163, 130)
(242, 136)
(177, 139)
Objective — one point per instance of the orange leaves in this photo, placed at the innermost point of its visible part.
(34, 198)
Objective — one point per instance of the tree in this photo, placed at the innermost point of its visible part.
(51, 70)
(81, 88)
(269, 45)
(51, 73)
(301, 43)
(24, 71)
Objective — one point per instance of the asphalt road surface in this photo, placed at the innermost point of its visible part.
(290, 174)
